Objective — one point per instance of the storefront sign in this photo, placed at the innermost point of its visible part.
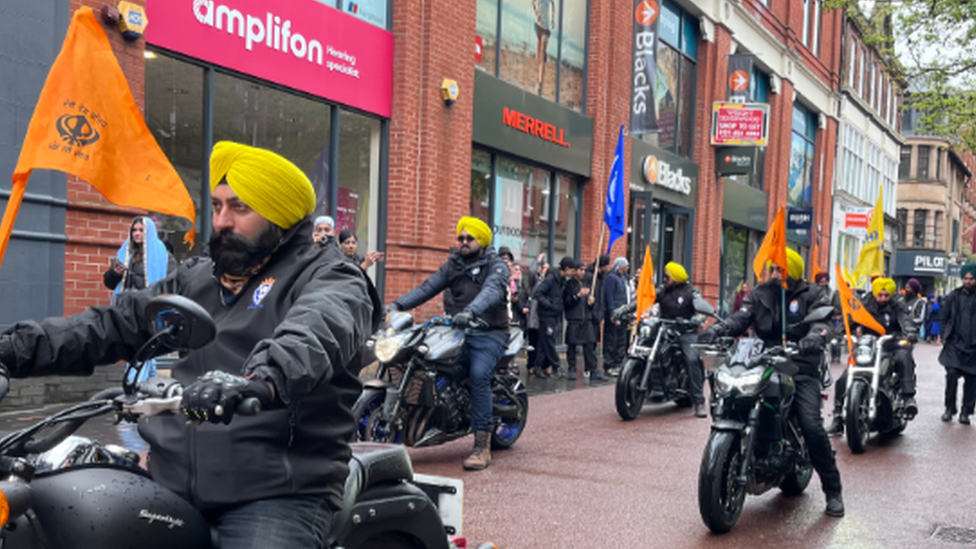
(735, 160)
(514, 121)
(799, 219)
(304, 45)
(739, 123)
(669, 177)
(855, 219)
(643, 115)
(920, 263)
(740, 75)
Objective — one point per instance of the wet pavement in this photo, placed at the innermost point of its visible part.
(580, 477)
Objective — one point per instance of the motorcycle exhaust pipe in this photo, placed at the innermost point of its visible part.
(507, 411)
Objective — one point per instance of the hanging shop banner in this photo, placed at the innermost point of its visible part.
(643, 107)
(855, 219)
(739, 123)
(303, 44)
(740, 76)
(920, 263)
(799, 219)
(735, 160)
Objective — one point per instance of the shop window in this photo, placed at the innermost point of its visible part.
(480, 184)
(530, 45)
(359, 148)
(801, 157)
(572, 57)
(521, 208)
(488, 34)
(371, 11)
(905, 163)
(174, 114)
(567, 210)
(918, 230)
(923, 162)
(902, 216)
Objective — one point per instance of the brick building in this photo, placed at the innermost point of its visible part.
(527, 146)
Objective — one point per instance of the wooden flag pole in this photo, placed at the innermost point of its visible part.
(596, 263)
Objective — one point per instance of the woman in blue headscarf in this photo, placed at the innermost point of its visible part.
(141, 261)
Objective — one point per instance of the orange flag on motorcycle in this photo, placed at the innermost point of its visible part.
(773, 247)
(852, 306)
(646, 293)
(86, 123)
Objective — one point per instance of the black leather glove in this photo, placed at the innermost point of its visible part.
(463, 319)
(811, 345)
(708, 336)
(214, 397)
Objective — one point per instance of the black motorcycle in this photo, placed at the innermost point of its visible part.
(874, 401)
(60, 491)
(420, 395)
(756, 444)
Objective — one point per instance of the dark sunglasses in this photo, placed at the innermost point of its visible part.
(468, 238)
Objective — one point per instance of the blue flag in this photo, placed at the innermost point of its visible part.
(614, 214)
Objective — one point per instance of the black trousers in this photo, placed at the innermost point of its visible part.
(807, 410)
(614, 344)
(905, 363)
(546, 355)
(696, 370)
(968, 390)
(533, 335)
(589, 356)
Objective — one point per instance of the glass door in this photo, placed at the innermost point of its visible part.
(639, 230)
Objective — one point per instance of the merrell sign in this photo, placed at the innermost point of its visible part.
(532, 126)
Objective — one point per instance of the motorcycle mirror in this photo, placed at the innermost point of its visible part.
(185, 323)
(398, 320)
(818, 314)
(703, 307)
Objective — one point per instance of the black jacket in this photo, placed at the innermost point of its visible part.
(299, 323)
(614, 292)
(893, 316)
(599, 306)
(677, 301)
(950, 315)
(549, 296)
(762, 309)
(480, 287)
(576, 309)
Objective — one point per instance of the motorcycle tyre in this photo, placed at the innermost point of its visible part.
(719, 467)
(508, 431)
(857, 429)
(799, 478)
(387, 541)
(626, 397)
(366, 411)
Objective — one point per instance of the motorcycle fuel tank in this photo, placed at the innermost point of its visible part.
(444, 344)
(99, 507)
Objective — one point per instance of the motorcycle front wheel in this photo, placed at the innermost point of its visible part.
(510, 427)
(629, 398)
(370, 426)
(799, 478)
(720, 498)
(857, 421)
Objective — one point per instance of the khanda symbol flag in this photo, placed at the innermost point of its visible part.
(75, 130)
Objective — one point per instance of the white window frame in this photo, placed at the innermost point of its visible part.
(853, 161)
(850, 71)
(806, 23)
(816, 28)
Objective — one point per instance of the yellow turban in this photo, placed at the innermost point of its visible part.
(794, 264)
(476, 228)
(268, 183)
(676, 272)
(885, 284)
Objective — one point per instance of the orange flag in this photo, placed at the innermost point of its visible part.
(816, 268)
(86, 123)
(773, 247)
(852, 306)
(646, 293)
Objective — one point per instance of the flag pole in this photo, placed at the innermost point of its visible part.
(596, 262)
(10, 216)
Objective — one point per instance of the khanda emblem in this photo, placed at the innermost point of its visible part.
(76, 130)
(854, 304)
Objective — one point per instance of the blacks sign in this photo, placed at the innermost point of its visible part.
(643, 115)
(735, 160)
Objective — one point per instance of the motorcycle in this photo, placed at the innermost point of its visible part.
(62, 491)
(874, 401)
(655, 370)
(755, 444)
(420, 396)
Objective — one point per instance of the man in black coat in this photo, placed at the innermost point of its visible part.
(549, 296)
(602, 267)
(617, 294)
(958, 318)
(580, 307)
(763, 309)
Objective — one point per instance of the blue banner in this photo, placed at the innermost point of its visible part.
(615, 214)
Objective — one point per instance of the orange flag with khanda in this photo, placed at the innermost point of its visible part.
(87, 124)
(773, 247)
(646, 293)
(852, 306)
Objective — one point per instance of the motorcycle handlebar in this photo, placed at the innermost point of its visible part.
(157, 406)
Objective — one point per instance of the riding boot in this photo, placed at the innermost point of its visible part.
(481, 454)
(836, 428)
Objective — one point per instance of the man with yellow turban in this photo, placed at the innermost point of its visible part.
(476, 281)
(290, 324)
(763, 309)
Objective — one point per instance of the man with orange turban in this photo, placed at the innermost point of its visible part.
(476, 280)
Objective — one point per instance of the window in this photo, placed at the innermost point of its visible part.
(538, 45)
(371, 11)
(806, 22)
(890, 184)
(851, 65)
(873, 178)
(905, 164)
(801, 157)
(938, 163)
(480, 183)
(935, 238)
(677, 52)
(853, 161)
(815, 47)
(918, 230)
(923, 163)
(902, 226)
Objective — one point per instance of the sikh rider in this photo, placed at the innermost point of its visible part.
(762, 309)
(476, 280)
(893, 315)
(289, 326)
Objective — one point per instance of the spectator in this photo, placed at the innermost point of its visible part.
(324, 232)
(617, 294)
(958, 356)
(514, 282)
(530, 306)
(933, 327)
(349, 243)
(740, 295)
(600, 306)
(579, 306)
(549, 294)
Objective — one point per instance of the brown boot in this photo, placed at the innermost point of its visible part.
(481, 455)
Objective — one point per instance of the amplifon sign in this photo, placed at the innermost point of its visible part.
(659, 172)
(533, 126)
(304, 45)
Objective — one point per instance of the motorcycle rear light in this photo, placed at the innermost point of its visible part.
(4, 509)
(458, 542)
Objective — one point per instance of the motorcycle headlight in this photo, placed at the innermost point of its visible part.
(645, 331)
(746, 382)
(386, 347)
(864, 356)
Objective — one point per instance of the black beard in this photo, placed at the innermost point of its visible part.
(234, 254)
(468, 254)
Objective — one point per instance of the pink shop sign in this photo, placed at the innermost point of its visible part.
(302, 44)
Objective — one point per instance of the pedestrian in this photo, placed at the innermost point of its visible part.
(617, 294)
(740, 295)
(324, 232)
(535, 274)
(350, 243)
(549, 294)
(515, 315)
(958, 356)
(934, 328)
(599, 308)
(579, 307)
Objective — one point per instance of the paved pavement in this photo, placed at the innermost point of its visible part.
(580, 477)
